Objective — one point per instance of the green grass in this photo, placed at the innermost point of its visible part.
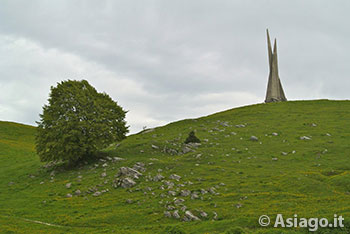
(312, 182)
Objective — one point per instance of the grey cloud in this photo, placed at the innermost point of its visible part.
(174, 55)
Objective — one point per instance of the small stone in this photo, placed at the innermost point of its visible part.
(274, 159)
(171, 208)
(104, 174)
(186, 150)
(127, 183)
(178, 201)
(274, 134)
(172, 193)
(185, 193)
(158, 177)
(194, 196)
(68, 185)
(129, 201)
(254, 138)
(127, 171)
(305, 138)
(215, 215)
(203, 191)
(42, 182)
(175, 177)
(96, 194)
(327, 134)
(203, 214)
(190, 216)
(118, 159)
(77, 192)
(167, 214)
(69, 195)
(154, 147)
(284, 153)
(176, 214)
(105, 165)
(212, 190)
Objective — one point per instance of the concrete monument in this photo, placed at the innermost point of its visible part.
(274, 91)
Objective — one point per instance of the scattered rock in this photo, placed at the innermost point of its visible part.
(186, 149)
(69, 195)
(129, 201)
(305, 138)
(190, 216)
(139, 166)
(327, 134)
(274, 134)
(167, 214)
(203, 191)
(254, 138)
(129, 172)
(68, 185)
(274, 159)
(215, 215)
(158, 177)
(212, 190)
(77, 192)
(203, 214)
(175, 177)
(118, 159)
(104, 174)
(171, 208)
(284, 153)
(178, 201)
(172, 193)
(154, 147)
(96, 194)
(185, 193)
(176, 214)
(124, 183)
(194, 196)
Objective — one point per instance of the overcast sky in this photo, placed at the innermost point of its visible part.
(168, 60)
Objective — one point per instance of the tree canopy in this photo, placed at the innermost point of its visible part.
(77, 122)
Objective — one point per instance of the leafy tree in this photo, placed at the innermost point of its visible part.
(77, 122)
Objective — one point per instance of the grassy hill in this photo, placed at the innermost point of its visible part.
(235, 179)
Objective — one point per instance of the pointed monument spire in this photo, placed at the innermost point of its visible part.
(274, 91)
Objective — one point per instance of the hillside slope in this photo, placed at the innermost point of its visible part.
(230, 177)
